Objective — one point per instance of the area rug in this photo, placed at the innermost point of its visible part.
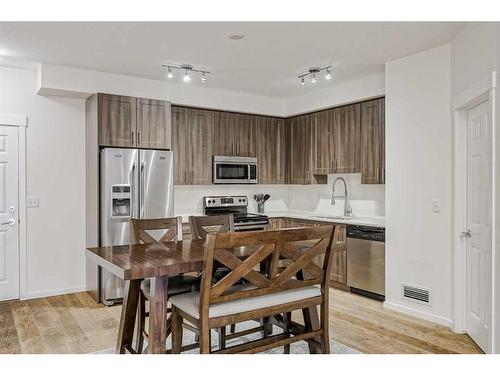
(300, 347)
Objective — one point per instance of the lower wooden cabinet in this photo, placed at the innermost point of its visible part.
(339, 254)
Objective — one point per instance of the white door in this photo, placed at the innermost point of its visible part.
(9, 244)
(479, 217)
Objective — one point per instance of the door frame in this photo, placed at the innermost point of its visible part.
(479, 92)
(21, 121)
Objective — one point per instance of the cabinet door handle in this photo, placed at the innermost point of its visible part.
(382, 176)
(378, 174)
(132, 136)
(138, 138)
(336, 165)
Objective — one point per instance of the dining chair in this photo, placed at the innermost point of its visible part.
(302, 285)
(200, 227)
(150, 231)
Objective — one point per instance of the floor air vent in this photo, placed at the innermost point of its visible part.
(417, 294)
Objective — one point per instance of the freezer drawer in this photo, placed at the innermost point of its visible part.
(366, 265)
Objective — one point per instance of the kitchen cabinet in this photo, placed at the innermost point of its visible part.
(298, 138)
(339, 256)
(117, 120)
(125, 121)
(180, 144)
(337, 140)
(347, 139)
(234, 135)
(373, 142)
(324, 142)
(338, 271)
(153, 124)
(271, 149)
(192, 134)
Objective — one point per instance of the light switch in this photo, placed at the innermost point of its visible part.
(436, 205)
(32, 201)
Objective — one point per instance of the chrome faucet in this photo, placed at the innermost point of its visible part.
(347, 206)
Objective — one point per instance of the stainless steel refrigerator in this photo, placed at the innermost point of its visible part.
(133, 184)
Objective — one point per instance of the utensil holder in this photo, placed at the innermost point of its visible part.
(260, 207)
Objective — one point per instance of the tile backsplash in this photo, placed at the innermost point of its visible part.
(366, 200)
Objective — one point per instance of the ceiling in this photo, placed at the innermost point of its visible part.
(265, 62)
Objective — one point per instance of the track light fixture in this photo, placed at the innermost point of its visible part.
(312, 72)
(187, 70)
(170, 74)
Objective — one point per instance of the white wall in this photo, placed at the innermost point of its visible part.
(55, 172)
(418, 157)
(338, 94)
(475, 52)
(307, 198)
(66, 81)
(188, 199)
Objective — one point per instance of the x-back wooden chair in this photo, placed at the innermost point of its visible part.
(201, 226)
(301, 285)
(150, 231)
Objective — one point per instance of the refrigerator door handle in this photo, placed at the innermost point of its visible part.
(132, 188)
(143, 193)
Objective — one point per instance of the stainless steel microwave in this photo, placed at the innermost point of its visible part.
(234, 170)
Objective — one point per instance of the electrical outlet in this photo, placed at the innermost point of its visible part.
(32, 201)
(436, 205)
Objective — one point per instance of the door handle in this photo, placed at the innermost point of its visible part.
(9, 222)
(467, 233)
(132, 187)
(143, 212)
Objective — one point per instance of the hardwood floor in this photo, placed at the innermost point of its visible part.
(74, 323)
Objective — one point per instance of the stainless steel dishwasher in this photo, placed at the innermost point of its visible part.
(366, 260)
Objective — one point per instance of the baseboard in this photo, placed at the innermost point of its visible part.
(419, 314)
(54, 292)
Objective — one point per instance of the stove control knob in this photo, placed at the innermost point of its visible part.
(239, 200)
(244, 200)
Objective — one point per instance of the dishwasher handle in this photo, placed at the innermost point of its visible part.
(366, 233)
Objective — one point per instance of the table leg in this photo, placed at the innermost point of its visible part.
(157, 335)
(127, 318)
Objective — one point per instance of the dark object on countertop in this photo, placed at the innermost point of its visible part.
(261, 199)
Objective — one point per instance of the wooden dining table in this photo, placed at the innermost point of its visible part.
(158, 261)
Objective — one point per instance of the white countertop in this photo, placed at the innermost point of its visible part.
(373, 221)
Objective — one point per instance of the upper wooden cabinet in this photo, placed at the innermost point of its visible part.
(192, 140)
(323, 142)
(234, 135)
(299, 147)
(271, 149)
(373, 142)
(347, 137)
(126, 121)
(153, 124)
(117, 120)
(337, 140)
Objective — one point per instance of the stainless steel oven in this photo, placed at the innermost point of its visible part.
(234, 170)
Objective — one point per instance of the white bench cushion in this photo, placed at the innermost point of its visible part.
(189, 302)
